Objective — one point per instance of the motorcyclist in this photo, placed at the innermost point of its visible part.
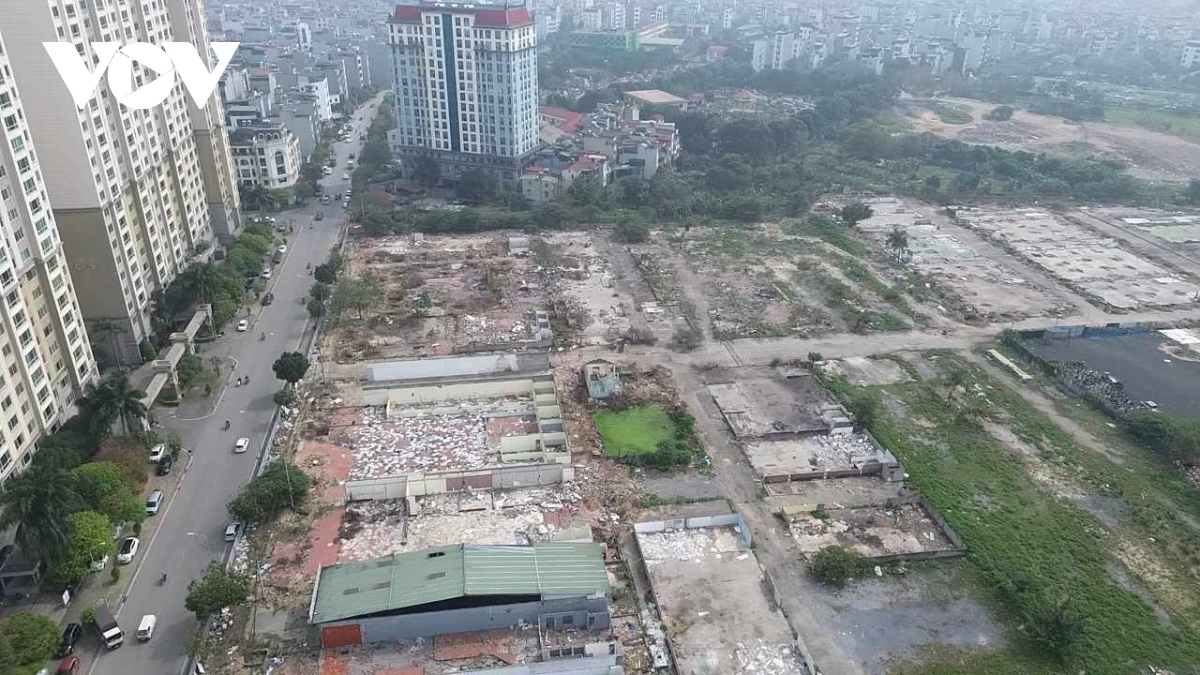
(226, 424)
(162, 577)
(262, 336)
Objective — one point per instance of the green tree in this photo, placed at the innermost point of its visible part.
(999, 113)
(320, 292)
(897, 243)
(90, 540)
(316, 308)
(281, 486)
(291, 367)
(359, 294)
(38, 502)
(31, 637)
(1191, 194)
(854, 212)
(325, 273)
(304, 190)
(107, 489)
(426, 172)
(113, 399)
(312, 171)
(216, 590)
(474, 187)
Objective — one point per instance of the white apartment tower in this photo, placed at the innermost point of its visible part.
(1190, 58)
(465, 78)
(45, 359)
(126, 185)
(773, 51)
(208, 130)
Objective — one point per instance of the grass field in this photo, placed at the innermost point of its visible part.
(636, 431)
(948, 112)
(1027, 546)
(1166, 121)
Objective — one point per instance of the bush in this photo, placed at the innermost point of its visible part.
(28, 640)
(88, 617)
(284, 397)
(632, 230)
(148, 351)
(834, 565)
(1054, 626)
(999, 113)
(687, 339)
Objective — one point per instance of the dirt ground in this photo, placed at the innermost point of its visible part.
(1150, 154)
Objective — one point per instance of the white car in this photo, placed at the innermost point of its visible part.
(129, 548)
(243, 325)
(157, 453)
(283, 248)
(241, 444)
(266, 274)
(345, 176)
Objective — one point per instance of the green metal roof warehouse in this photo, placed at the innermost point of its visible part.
(403, 581)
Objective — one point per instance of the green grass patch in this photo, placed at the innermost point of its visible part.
(948, 112)
(1026, 547)
(827, 230)
(635, 431)
(1175, 122)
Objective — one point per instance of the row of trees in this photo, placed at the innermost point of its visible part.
(221, 284)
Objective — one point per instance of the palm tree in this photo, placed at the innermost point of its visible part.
(38, 502)
(115, 398)
(897, 241)
(204, 280)
(254, 197)
(111, 329)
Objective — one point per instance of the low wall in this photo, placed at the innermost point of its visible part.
(491, 478)
(437, 393)
(697, 522)
(959, 548)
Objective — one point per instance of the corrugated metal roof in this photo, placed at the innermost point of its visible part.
(432, 575)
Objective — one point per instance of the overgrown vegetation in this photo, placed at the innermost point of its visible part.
(648, 436)
(216, 590)
(27, 642)
(1043, 561)
(834, 565)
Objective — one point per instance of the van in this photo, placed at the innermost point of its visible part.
(154, 502)
(146, 628)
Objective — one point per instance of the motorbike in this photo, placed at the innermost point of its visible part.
(227, 425)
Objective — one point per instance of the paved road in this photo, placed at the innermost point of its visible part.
(190, 534)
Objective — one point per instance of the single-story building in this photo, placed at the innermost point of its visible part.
(461, 588)
(603, 378)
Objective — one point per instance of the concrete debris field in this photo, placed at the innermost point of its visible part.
(1096, 265)
(816, 456)
(714, 601)
(872, 531)
(757, 406)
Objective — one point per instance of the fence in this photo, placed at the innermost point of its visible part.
(697, 522)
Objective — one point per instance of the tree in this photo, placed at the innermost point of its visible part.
(113, 399)
(325, 273)
(316, 308)
(897, 243)
(281, 486)
(426, 172)
(303, 190)
(312, 171)
(105, 487)
(1192, 194)
(32, 638)
(291, 367)
(834, 565)
(38, 502)
(320, 292)
(216, 590)
(632, 229)
(360, 294)
(90, 540)
(111, 330)
(254, 197)
(127, 454)
(854, 212)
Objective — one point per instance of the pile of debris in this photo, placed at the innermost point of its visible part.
(765, 659)
(688, 545)
(419, 444)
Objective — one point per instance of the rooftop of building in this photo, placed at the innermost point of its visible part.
(486, 15)
(655, 96)
(406, 580)
(458, 367)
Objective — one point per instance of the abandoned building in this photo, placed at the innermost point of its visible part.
(461, 588)
(603, 378)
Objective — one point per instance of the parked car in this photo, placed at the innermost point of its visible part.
(268, 298)
(70, 636)
(154, 502)
(266, 273)
(232, 531)
(241, 444)
(283, 248)
(129, 548)
(158, 452)
(320, 215)
(243, 325)
(98, 565)
(69, 665)
(164, 466)
(345, 176)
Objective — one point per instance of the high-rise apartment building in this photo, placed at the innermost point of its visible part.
(208, 129)
(126, 185)
(465, 78)
(45, 359)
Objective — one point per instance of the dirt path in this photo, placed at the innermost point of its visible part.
(692, 289)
